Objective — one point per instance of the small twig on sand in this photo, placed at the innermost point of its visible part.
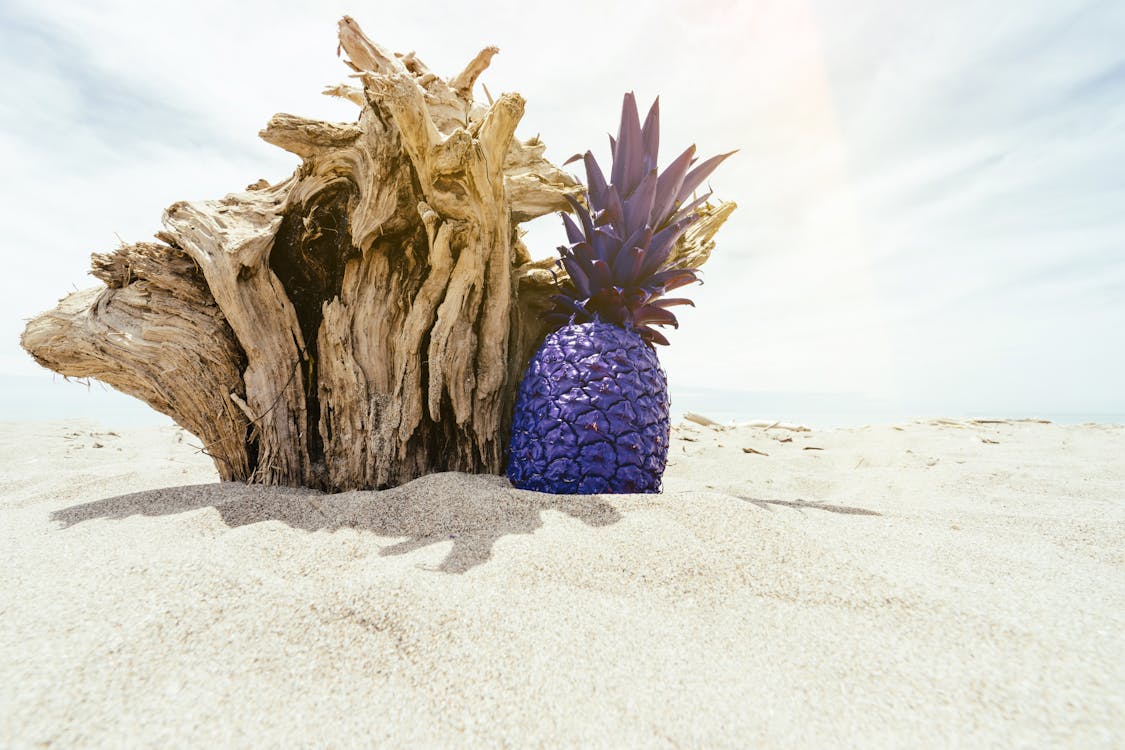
(776, 426)
(700, 419)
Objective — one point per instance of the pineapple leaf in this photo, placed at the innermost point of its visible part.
(640, 238)
(595, 180)
(650, 135)
(604, 244)
(600, 275)
(662, 244)
(577, 276)
(665, 281)
(673, 301)
(584, 253)
(627, 155)
(628, 262)
(696, 176)
(623, 233)
(614, 212)
(573, 233)
(668, 187)
(688, 211)
(583, 214)
(638, 206)
(651, 314)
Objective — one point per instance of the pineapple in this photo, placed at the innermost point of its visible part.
(591, 413)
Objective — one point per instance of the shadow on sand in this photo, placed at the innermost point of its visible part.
(472, 511)
(803, 504)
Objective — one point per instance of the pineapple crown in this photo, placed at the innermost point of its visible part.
(618, 254)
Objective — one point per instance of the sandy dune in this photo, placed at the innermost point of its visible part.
(929, 584)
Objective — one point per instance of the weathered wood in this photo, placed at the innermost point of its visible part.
(154, 332)
(361, 323)
(231, 241)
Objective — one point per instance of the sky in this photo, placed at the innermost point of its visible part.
(931, 195)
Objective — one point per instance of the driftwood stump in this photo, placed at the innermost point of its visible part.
(361, 323)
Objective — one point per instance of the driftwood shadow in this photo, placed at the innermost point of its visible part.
(473, 511)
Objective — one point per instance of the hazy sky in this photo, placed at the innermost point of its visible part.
(931, 195)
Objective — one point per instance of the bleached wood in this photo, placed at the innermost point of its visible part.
(464, 81)
(700, 419)
(155, 333)
(230, 241)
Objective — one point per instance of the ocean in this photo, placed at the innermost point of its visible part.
(33, 398)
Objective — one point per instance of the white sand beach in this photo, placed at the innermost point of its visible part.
(931, 584)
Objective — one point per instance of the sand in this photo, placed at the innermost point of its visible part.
(929, 584)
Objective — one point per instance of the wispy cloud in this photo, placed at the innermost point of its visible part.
(979, 191)
(929, 193)
(66, 104)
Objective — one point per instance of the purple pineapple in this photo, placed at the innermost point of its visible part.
(591, 414)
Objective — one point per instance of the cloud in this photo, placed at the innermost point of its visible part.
(929, 193)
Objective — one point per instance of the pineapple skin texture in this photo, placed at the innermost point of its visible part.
(591, 414)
